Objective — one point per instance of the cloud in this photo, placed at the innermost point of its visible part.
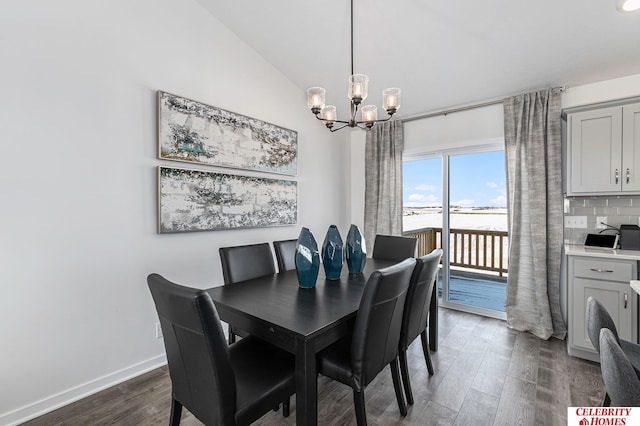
(426, 187)
(492, 184)
(463, 203)
(499, 201)
(421, 200)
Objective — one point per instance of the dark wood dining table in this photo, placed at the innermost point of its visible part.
(302, 321)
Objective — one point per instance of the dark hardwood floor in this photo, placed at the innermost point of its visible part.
(485, 374)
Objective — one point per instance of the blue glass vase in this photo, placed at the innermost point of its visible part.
(332, 253)
(355, 250)
(307, 259)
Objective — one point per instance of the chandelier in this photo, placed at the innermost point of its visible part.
(358, 90)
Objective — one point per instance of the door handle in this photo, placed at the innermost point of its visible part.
(627, 176)
(617, 176)
(626, 299)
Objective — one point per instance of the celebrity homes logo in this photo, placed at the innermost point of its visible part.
(603, 416)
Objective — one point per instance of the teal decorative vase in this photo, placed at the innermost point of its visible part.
(307, 259)
(355, 250)
(332, 253)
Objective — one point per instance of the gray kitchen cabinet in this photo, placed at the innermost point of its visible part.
(607, 280)
(603, 150)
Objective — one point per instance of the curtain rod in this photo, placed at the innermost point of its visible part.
(463, 108)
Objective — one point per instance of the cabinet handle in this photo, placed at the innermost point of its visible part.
(627, 176)
(617, 176)
(601, 270)
(626, 299)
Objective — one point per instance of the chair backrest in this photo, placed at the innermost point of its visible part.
(421, 287)
(202, 377)
(598, 318)
(285, 254)
(376, 332)
(394, 248)
(619, 376)
(241, 263)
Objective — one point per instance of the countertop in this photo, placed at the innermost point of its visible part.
(580, 250)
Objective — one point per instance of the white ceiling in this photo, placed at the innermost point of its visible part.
(441, 53)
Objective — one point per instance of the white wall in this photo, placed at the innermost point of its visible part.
(78, 182)
(602, 91)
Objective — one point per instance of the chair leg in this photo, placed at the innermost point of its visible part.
(607, 400)
(176, 413)
(404, 370)
(285, 407)
(425, 348)
(395, 375)
(361, 412)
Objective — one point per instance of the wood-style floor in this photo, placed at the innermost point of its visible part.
(485, 374)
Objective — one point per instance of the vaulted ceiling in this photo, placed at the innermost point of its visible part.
(441, 53)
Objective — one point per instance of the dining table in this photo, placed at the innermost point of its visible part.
(302, 321)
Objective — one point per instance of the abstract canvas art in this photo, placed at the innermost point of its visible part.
(197, 200)
(198, 133)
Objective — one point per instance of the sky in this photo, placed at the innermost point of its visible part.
(476, 180)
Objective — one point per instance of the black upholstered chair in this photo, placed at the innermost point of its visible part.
(285, 254)
(217, 383)
(416, 314)
(597, 318)
(394, 248)
(241, 263)
(358, 358)
(619, 376)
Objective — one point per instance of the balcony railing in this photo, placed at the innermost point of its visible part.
(470, 248)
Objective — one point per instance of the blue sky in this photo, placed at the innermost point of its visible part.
(477, 180)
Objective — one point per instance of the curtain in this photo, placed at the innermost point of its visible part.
(534, 191)
(383, 181)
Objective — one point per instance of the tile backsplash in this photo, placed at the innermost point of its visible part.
(618, 209)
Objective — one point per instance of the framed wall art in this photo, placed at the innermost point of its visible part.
(198, 133)
(198, 200)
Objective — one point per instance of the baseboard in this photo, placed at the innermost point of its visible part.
(66, 397)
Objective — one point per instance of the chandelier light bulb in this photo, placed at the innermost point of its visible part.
(315, 99)
(358, 87)
(391, 100)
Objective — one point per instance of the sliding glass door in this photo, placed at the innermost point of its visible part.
(457, 201)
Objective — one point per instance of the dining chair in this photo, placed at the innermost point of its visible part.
(619, 376)
(357, 359)
(285, 254)
(241, 263)
(392, 247)
(416, 314)
(598, 318)
(219, 384)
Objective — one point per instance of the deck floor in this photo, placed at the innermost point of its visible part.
(475, 289)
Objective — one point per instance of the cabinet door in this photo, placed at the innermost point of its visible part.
(631, 147)
(595, 151)
(617, 299)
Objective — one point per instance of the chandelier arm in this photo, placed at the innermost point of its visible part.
(333, 121)
(339, 128)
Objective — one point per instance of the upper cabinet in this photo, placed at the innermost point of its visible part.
(603, 150)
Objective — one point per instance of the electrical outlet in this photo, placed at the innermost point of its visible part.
(158, 331)
(599, 222)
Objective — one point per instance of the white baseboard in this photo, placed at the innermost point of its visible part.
(66, 397)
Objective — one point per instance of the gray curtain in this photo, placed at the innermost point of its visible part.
(534, 190)
(383, 181)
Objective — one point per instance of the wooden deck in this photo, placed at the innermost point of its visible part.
(476, 289)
